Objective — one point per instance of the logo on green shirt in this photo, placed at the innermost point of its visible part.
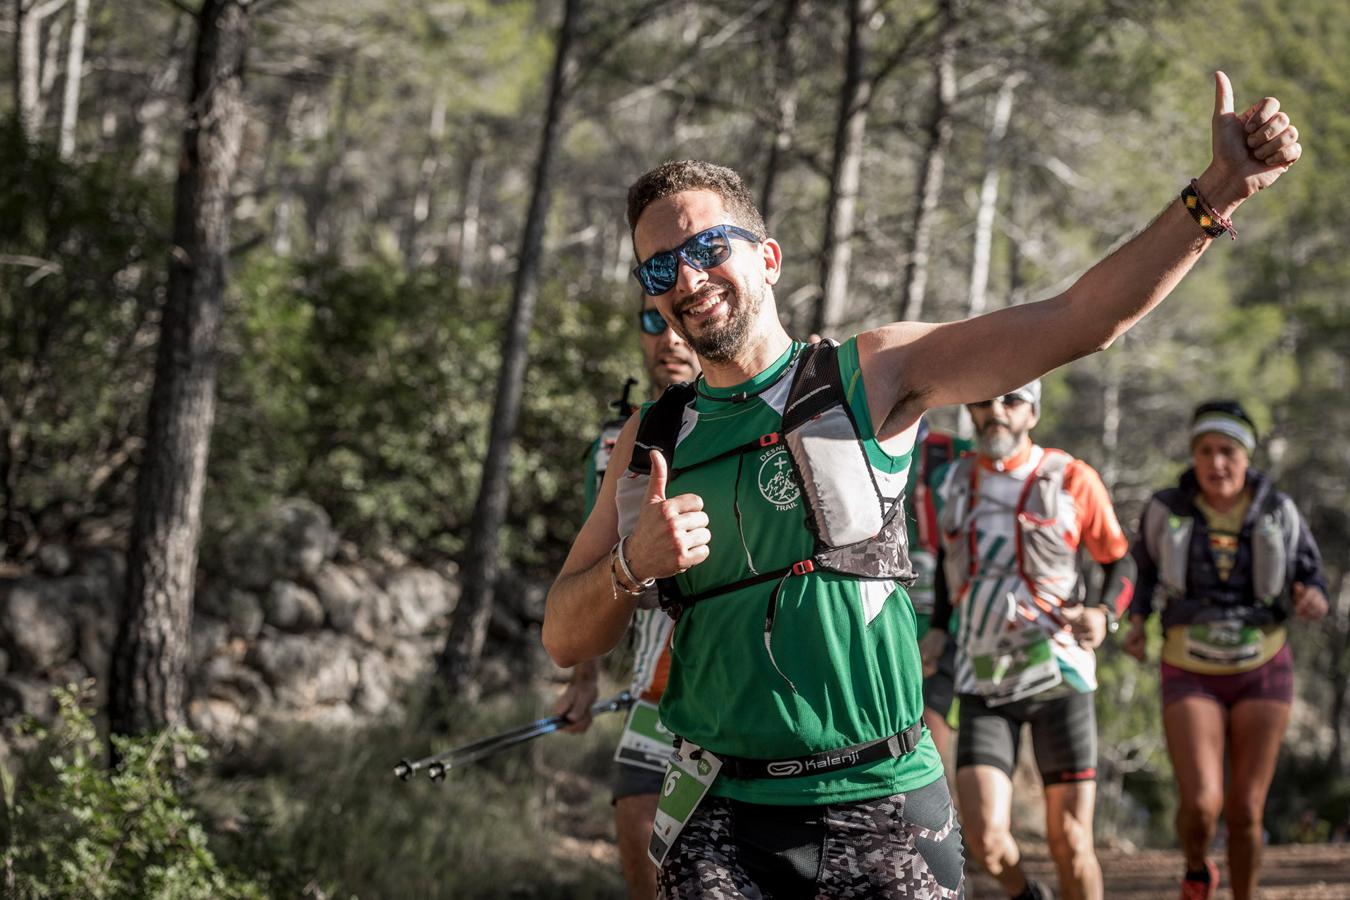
(776, 483)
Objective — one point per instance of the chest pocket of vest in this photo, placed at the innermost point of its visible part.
(1048, 545)
(1173, 551)
(843, 495)
(1274, 537)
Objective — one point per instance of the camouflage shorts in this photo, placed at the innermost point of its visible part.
(903, 847)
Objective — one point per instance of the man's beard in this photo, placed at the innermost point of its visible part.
(721, 343)
(998, 443)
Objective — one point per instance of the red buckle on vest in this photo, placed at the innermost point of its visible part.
(768, 440)
(801, 568)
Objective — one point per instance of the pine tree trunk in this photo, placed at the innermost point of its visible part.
(70, 100)
(426, 176)
(785, 110)
(160, 100)
(147, 689)
(458, 666)
(325, 226)
(837, 250)
(984, 217)
(466, 245)
(1017, 203)
(934, 167)
(28, 18)
(48, 69)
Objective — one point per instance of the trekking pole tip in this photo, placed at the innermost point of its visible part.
(436, 771)
(404, 770)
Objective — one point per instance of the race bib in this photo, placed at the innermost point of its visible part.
(645, 743)
(689, 774)
(1223, 642)
(1020, 663)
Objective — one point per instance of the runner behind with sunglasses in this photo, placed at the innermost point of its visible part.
(766, 501)
(1014, 518)
(644, 746)
(1234, 561)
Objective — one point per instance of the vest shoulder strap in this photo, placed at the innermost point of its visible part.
(660, 427)
(1053, 463)
(817, 384)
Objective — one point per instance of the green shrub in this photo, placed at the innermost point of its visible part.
(73, 827)
(319, 810)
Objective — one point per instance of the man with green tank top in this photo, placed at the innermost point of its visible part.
(764, 502)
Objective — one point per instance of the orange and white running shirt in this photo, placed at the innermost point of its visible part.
(651, 653)
(1004, 631)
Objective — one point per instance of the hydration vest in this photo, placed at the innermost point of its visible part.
(856, 529)
(1177, 538)
(1046, 562)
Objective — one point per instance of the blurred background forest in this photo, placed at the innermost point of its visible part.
(414, 177)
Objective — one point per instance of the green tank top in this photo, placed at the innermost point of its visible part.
(848, 645)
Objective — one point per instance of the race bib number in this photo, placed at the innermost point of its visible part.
(1223, 642)
(645, 743)
(1019, 664)
(689, 774)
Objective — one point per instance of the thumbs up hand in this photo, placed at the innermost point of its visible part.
(671, 535)
(1251, 149)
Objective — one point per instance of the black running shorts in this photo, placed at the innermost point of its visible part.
(903, 847)
(1063, 735)
(632, 781)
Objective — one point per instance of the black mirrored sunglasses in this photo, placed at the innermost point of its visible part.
(651, 322)
(705, 250)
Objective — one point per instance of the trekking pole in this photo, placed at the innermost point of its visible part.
(438, 764)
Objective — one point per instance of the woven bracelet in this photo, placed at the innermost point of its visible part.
(1205, 215)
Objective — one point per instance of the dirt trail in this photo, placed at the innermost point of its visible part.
(1290, 872)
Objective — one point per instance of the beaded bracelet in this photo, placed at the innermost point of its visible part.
(1205, 215)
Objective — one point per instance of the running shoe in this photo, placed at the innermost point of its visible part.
(1035, 891)
(1193, 888)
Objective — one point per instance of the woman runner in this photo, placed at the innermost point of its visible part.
(1233, 559)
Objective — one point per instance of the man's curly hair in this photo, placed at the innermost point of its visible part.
(696, 175)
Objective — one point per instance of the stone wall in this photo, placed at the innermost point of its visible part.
(293, 627)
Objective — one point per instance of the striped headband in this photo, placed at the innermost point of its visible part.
(1228, 425)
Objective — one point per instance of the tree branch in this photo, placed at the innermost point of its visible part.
(41, 267)
(601, 48)
(897, 55)
(182, 7)
(51, 7)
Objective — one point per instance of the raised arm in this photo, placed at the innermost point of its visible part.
(910, 366)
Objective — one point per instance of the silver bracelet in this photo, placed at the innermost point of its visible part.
(627, 572)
